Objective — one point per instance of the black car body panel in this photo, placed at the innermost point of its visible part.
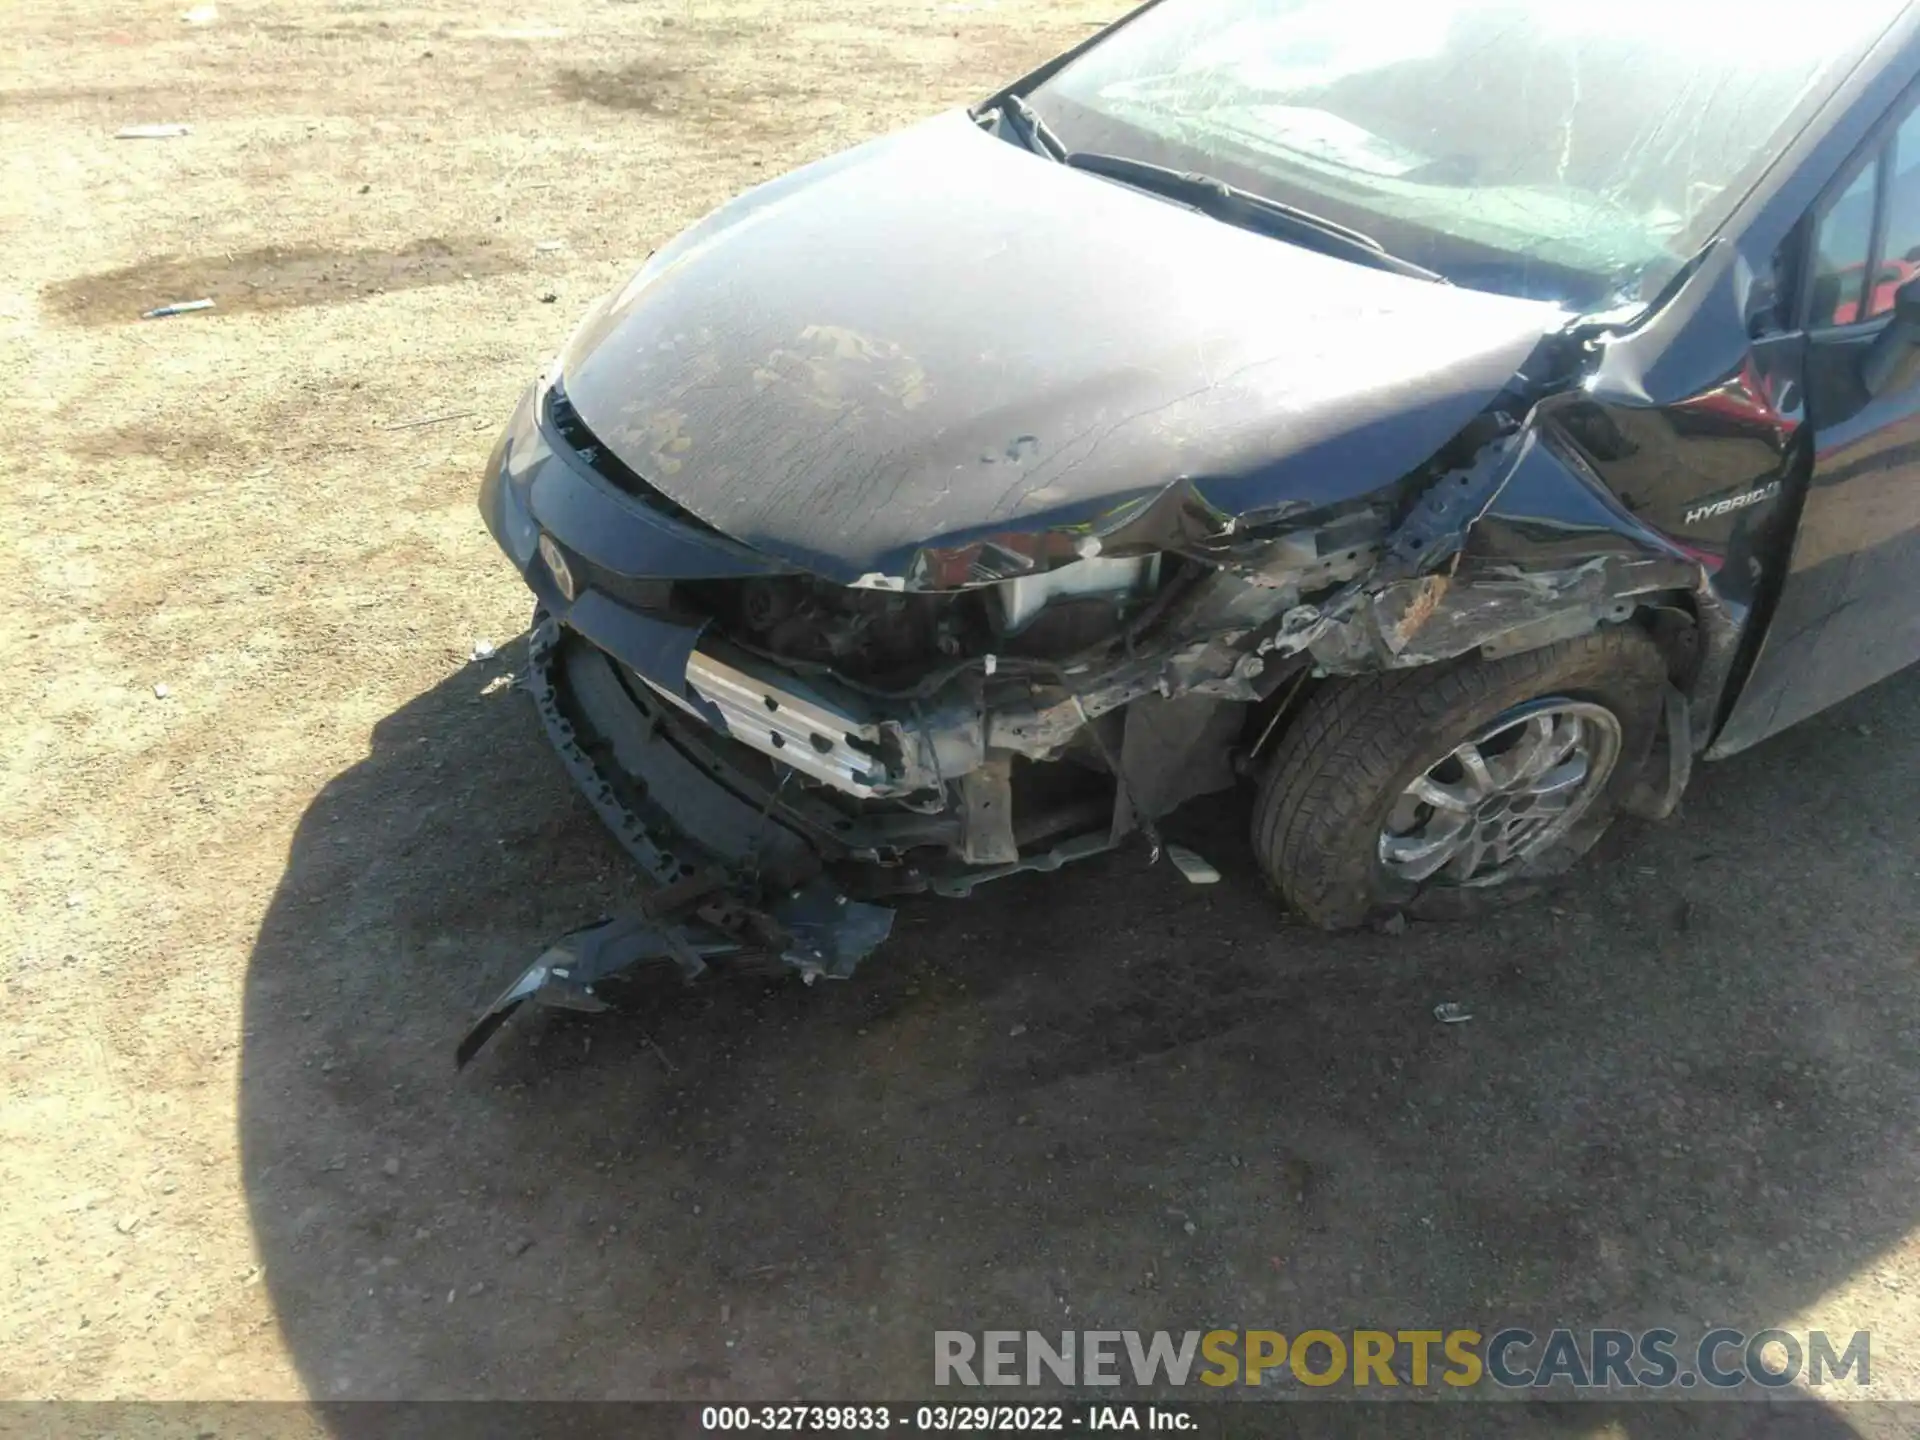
(941, 368)
(804, 372)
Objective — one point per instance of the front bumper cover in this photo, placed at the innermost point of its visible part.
(711, 862)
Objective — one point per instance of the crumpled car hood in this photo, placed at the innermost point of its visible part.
(938, 336)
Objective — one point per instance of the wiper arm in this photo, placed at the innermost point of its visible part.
(1217, 198)
(1030, 129)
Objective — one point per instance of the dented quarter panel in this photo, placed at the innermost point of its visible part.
(1541, 551)
(1690, 410)
(826, 390)
(1697, 423)
(1607, 501)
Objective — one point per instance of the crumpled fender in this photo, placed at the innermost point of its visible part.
(1521, 549)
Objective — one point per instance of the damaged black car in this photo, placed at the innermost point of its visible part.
(1450, 429)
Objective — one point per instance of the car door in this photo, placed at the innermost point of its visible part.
(1848, 611)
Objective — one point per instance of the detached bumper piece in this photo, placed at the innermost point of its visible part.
(726, 879)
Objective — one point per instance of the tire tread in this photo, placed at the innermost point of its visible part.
(1312, 819)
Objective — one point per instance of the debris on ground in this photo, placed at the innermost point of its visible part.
(153, 132)
(482, 650)
(201, 15)
(1193, 867)
(1394, 924)
(161, 691)
(548, 246)
(428, 420)
(1450, 1012)
(178, 307)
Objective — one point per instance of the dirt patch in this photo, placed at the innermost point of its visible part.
(272, 277)
(646, 86)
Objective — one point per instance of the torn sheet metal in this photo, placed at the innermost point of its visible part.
(1497, 610)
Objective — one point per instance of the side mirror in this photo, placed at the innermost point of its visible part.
(1892, 362)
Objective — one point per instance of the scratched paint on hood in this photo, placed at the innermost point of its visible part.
(939, 332)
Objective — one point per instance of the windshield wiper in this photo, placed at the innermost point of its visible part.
(1217, 198)
(1030, 129)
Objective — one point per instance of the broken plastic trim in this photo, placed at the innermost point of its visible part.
(817, 930)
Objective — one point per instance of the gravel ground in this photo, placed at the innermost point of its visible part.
(269, 836)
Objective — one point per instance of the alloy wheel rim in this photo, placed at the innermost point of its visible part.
(1490, 806)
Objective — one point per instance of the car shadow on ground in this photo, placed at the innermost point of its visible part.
(1095, 1100)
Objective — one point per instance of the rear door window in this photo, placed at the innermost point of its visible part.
(1842, 245)
(1900, 247)
(1866, 240)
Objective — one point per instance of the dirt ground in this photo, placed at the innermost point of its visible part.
(268, 837)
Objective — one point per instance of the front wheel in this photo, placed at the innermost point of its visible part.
(1444, 790)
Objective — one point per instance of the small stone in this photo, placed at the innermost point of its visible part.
(477, 1287)
(482, 650)
(1394, 924)
(127, 1224)
(390, 1167)
(1190, 1227)
(547, 297)
(1016, 1032)
(161, 692)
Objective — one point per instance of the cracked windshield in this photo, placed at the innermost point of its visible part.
(1573, 154)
